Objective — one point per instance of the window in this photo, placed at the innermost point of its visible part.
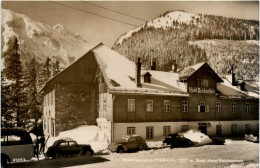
(63, 144)
(48, 125)
(233, 107)
(184, 106)
(72, 143)
(233, 129)
(203, 107)
(51, 98)
(130, 130)
(44, 124)
(149, 132)
(10, 140)
(203, 82)
(47, 99)
(131, 105)
(247, 129)
(167, 105)
(247, 107)
(218, 107)
(53, 128)
(166, 130)
(200, 82)
(49, 95)
(104, 104)
(149, 105)
(184, 128)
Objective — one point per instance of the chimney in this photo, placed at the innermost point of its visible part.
(138, 73)
(233, 76)
(153, 66)
(174, 66)
(71, 59)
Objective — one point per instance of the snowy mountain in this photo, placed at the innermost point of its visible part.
(164, 22)
(39, 40)
(194, 38)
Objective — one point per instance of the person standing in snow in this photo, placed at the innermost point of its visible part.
(36, 147)
(42, 142)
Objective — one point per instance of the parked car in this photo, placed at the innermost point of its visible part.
(177, 140)
(16, 146)
(64, 147)
(169, 139)
(129, 143)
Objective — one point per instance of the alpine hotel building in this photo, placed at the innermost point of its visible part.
(149, 103)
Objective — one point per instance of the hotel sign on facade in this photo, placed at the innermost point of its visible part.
(201, 90)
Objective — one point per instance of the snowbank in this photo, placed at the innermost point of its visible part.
(97, 137)
(156, 142)
(228, 141)
(197, 137)
(251, 137)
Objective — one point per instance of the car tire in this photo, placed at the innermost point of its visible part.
(88, 153)
(58, 155)
(141, 148)
(120, 150)
(5, 161)
(172, 145)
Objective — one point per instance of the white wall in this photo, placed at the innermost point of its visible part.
(108, 112)
(120, 129)
(49, 112)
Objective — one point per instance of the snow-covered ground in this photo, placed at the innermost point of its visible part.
(234, 154)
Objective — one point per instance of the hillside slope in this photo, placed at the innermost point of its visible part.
(40, 40)
(193, 38)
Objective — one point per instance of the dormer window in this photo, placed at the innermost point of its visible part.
(147, 77)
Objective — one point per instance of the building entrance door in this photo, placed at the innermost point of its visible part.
(203, 128)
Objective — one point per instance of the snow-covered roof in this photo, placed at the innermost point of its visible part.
(119, 74)
(188, 71)
(228, 90)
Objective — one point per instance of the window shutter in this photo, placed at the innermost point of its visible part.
(198, 108)
(207, 108)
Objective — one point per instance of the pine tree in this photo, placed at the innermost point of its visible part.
(7, 119)
(14, 73)
(57, 67)
(45, 74)
(34, 105)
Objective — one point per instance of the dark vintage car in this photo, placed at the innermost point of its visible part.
(177, 140)
(129, 143)
(64, 147)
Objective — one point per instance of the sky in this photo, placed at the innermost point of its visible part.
(98, 29)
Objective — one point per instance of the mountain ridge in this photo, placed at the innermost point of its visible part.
(162, 22)
(190, 39)
(40, 40)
